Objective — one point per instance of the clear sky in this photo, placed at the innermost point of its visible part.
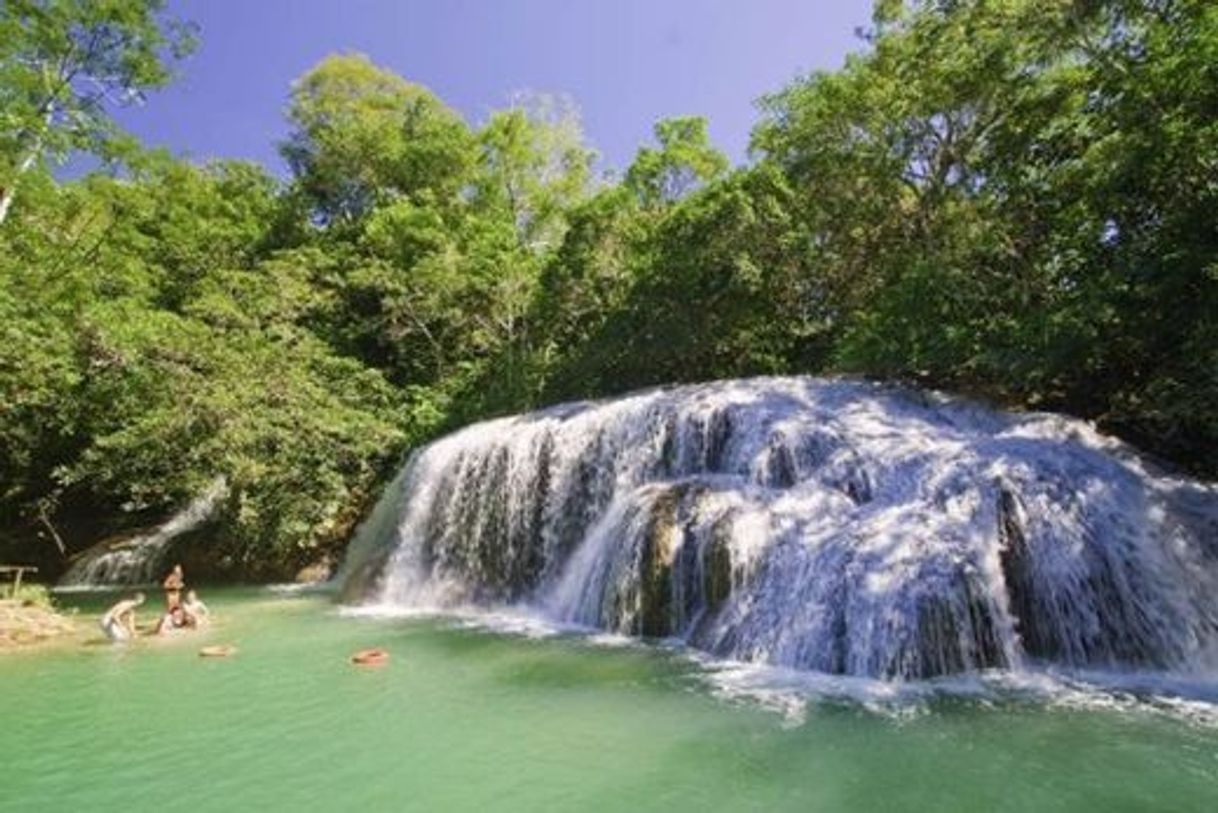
(625, 63)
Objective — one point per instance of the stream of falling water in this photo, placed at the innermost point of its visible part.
(834, 526)
(140, 559)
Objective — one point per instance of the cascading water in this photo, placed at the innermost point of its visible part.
(140, 559)
(831, 525)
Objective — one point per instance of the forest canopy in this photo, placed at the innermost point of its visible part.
(1011, 200)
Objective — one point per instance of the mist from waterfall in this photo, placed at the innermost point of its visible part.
(831, 525)
(140, 559)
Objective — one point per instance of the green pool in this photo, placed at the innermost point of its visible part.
(469, 718)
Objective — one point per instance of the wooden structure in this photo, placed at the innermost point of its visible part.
(18, 571)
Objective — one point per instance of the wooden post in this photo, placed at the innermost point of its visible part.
(17, 571)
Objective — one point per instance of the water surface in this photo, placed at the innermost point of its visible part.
(466, 718)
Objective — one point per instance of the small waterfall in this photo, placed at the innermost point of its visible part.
(139, 560)
(830, 525)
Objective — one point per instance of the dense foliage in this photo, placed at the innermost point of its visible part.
(1015, 200)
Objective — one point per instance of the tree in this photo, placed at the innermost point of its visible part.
(362, 134)
(64, 63)
(720, 286)
(684, 161)
(1011, 199)
(1016, 199)
(535, 166)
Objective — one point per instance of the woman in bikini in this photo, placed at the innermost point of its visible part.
(173, 585)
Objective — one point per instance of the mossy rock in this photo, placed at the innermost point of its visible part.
(656, 559)
(717, 566)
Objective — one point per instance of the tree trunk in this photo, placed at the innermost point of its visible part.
(47, 507)
(47, 111)
(9, 192)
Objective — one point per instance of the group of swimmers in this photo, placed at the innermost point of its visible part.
(118, 623)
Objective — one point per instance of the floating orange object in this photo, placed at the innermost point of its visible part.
(217, 651)
(370, 657)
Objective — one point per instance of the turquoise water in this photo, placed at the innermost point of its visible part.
(466, 718)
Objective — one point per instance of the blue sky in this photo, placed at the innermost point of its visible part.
(625, 63)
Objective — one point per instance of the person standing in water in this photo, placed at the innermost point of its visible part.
(173, 589)
(119, 621)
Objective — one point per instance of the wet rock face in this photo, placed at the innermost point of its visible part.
(951, 638)
(1037, 640)
(828, 525)
(717, 566)
(1112, 614)
(658, 550)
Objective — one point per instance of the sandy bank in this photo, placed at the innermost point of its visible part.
(26, 624)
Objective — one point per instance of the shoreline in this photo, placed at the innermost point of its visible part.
(25, 625)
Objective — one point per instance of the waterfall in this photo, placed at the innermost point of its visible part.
(139, 559)
(832, 525)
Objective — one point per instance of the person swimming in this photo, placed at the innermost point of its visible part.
(119, 621)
